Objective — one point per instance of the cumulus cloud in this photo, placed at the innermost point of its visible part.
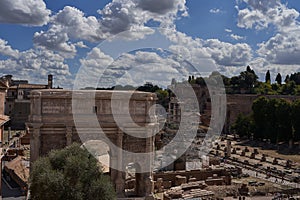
(69, 23)
(229, 54)
(129, 68)
(228, 30)
(35, 65)
(120, 15)
(7, 50)
(160, 68)
(260, 14)
(282, 48)
(92, 68)
(29, 12)
(236, 37)
(57, 41)
(162, 6)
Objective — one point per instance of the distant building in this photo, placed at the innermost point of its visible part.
(17, 103)
(174, 109)
(3, 118)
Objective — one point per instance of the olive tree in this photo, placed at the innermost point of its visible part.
(71, 173)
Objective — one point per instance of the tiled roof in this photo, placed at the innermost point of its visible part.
(3, 119)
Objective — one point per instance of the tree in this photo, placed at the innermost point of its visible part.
(268, 77)
(200, 81)
(278, 79)
(288, 88)
(248, 80)
(283, 127)
(69, 174)
(295, 116)
(243, 126)
(287, 79)
(248, 69)
(259, 116)
(264, 88)
(295, 77)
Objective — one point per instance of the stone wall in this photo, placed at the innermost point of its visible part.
(2, 100)
(211, 176)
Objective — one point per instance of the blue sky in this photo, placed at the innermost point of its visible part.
(61, 36)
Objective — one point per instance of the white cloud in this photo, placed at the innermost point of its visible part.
(55, 40)
(282, 48)
(80, 44)
(6, 50)
(71, 24)
(260, 14)
(237, 37)
(229, 54)
(215, 10)
(206, 55)
(190, 49)
(35, 65)
(130, 68)
(76, 25)
(228, 30)
(92, 68)
(28, 12)
(163, 6)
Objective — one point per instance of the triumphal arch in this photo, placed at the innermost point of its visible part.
(61, 117)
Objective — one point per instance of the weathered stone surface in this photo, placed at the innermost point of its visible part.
(54, 123)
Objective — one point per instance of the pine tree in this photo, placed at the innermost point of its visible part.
(287, 79)
(278, 79)
(268, 77)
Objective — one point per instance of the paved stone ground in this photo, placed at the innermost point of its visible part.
(252, 198)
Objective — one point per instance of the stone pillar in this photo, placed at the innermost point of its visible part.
(69, 135)
(120, 182)
(35, 143)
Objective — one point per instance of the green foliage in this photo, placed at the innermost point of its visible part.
(259, 116)
(272, 119)
(296, 78)
(288, 88)
(265, 88)
(248, 80)
(226, 80)
(163, 97)
(243, 126)
(69, 174)
(200, 81)
(148, 87)
(295, 115)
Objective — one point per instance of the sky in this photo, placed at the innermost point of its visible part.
(134, 41)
